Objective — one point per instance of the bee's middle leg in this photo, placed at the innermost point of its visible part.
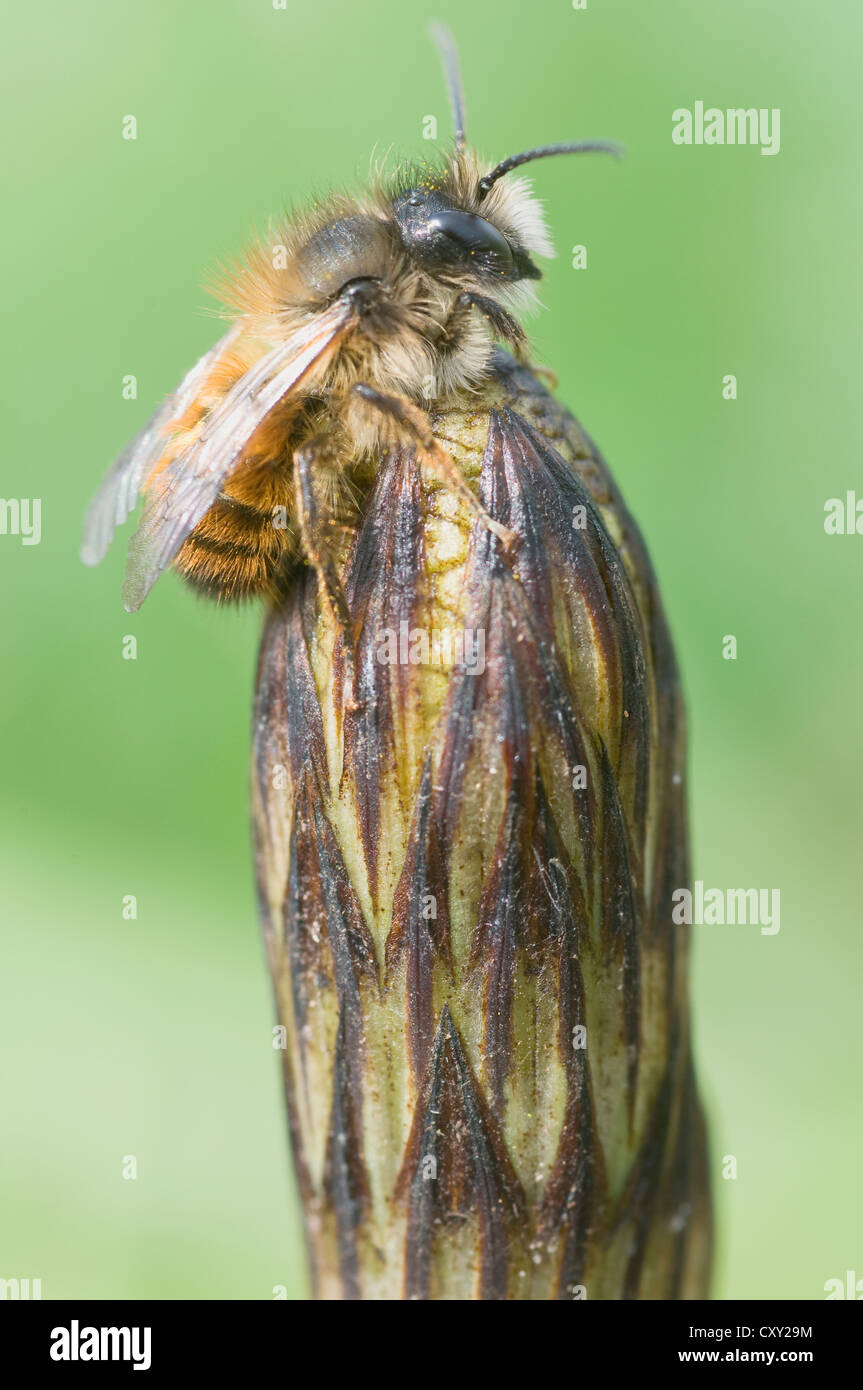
(314, 524)
(416, 424)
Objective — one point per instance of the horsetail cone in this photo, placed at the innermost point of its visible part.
(466, 867)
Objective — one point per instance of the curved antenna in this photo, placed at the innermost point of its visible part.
(452, 76)
(516, 160)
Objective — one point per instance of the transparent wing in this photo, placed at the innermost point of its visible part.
(118, 495)
(190, 484)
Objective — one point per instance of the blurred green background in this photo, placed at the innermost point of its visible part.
(152, 1037)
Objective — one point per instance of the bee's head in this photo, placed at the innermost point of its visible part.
(430, 265)
(465, 222)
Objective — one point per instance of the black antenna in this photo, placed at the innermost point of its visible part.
(452, 76)
(516, 160)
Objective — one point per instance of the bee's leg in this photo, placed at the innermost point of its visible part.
(313, 524)
(501, 323)
(545, 374)
(414, 422)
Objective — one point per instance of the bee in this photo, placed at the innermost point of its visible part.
(351, 325)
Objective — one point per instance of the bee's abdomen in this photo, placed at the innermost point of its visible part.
(242, 545)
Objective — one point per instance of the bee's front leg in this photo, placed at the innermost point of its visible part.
(501, 323)
(313, 524)
(410, 420)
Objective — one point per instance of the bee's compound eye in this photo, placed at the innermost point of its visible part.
(446, 237)
(351, 248)
(474, 237)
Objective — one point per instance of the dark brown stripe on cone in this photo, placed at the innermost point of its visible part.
(288, 728)
(528, 486)
(381, 585)
(345, 1177)
(420, 924)
(621, 921)
(455, 1128)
